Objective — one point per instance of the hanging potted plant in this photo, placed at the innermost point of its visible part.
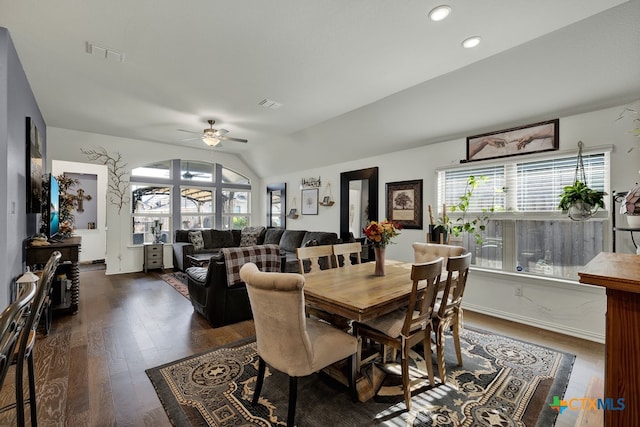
(578, 199)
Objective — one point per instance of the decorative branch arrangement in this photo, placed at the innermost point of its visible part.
(118, 182)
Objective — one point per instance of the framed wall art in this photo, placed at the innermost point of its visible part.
(34, 167)
(528, 139)
(310, 201)
(404, 203)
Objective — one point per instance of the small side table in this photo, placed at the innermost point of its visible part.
(153, 256)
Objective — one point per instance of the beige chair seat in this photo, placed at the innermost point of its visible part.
(391, 324)
(328, 344)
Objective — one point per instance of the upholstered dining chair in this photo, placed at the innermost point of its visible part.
(12, 322)
(347, 250)
(287, 340)
(425, 252)
(314, 254)
(448, 310)
(24, 353)
(404, 328)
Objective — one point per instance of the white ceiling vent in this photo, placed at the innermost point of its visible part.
(270, 104)
(104, 53)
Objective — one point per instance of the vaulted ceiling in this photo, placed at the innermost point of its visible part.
(354, 78)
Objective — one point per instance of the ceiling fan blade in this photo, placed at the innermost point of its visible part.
(189, 139)
(221, 132)
(189, 131)
(228, 138)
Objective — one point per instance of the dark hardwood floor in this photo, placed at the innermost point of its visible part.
(90, 368)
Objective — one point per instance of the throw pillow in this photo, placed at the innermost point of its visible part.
(250, 236)
(195, 237)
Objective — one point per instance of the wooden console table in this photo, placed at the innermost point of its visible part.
(69, 264)
(620, 275)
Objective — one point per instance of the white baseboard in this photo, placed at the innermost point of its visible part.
(561, 329)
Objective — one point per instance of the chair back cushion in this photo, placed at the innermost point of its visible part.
(266, 257)
(425, 252)
(277, 303)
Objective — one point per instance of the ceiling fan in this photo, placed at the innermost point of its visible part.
(212, 137)
(190, 175)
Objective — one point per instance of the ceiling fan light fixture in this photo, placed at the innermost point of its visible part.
(210, 140)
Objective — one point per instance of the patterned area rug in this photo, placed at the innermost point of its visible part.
(504, 382)
(177, 281)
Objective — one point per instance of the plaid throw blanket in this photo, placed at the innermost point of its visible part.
(266, 257)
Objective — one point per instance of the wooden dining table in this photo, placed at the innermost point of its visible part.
(355, 293)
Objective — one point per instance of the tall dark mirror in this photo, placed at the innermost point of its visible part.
(276, 205)
(358, 201)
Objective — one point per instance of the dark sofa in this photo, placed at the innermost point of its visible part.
(214, 240)
(221, 304)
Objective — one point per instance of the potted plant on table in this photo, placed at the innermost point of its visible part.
(380, 235)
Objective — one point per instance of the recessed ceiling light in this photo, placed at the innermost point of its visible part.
(470, 42)
(439, 13)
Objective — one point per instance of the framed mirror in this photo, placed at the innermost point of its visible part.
(358, 201)
(276, 205)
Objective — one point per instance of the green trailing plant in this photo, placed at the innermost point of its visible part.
(474, 226)
(579, 192)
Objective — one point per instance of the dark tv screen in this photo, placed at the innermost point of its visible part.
(54, 207)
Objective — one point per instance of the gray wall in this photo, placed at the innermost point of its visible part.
(17, 102)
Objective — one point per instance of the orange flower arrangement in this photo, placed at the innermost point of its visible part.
(381, 233)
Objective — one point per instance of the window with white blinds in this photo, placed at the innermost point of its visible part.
(489, 192)
(526, 232)
(540, 183)
(517, 186)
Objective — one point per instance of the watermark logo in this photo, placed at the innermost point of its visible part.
(558, 405)
(587, 404)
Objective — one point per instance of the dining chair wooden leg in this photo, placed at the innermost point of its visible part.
(440, 353)
(293, 396)
(406, 379)
(259, 380)
(358, 353)
(427, 358)
(456, 340)
(353, 362)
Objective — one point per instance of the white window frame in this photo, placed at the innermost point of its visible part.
(510, 215)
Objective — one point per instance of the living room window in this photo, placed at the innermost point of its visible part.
(526, 232)
(196, 208)
(235, 209)
(187, 194)
(151, 205)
